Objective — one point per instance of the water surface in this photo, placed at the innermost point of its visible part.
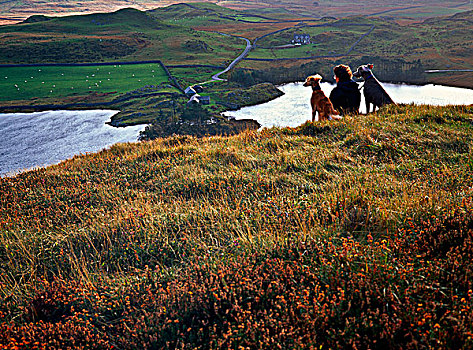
(29, 140)
(293, 108)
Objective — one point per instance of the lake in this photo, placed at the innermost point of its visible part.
(293, 108)
(29, 140)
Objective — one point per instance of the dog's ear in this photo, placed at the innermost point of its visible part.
(370, 65)
(317, 77)
(307, 81)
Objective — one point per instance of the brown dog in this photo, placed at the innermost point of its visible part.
(319, 102)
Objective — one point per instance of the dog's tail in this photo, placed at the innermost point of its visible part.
(334, 114)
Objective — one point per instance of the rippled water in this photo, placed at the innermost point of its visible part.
(29, 140)
(293, 108)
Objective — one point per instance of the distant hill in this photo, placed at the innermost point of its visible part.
(466, 16)
(36, 18)
(123, 20)
(190, 10)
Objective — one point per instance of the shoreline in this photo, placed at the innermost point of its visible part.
(392, 82)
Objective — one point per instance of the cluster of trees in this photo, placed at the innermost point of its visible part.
(182, 120)
(194, 120)
(244, 77)
(395, 69)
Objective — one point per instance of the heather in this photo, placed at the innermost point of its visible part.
(353, 234)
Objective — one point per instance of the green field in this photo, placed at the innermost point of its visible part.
(249, 18)
(24, 83)
(191, 76)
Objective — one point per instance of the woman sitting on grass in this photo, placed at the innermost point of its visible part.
(346, 96)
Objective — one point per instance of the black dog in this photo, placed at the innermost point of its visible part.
(374, 92)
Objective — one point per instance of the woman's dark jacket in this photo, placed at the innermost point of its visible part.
(346, 97)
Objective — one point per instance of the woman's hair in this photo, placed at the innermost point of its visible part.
(343, 72)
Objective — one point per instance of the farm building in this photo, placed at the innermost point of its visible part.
(194, 99)
(198, 88)
(303, 39)
(204, 100)
(189, 91)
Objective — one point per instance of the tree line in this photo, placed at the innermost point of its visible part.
(386, 69)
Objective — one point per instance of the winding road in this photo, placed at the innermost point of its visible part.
(236, 60)
(448, 70)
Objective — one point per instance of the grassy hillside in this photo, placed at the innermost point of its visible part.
(441, 42)
(126, 34)
(346, 234)
(168, 33)
(86, 38)
(189, 11)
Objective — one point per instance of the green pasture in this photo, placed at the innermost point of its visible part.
(203, 16)
(249, 18)
(184, 12)
(427, 12)
(173, 49)
(212, 7)
(273, 12)
(320, 48)
(191, 76)
(23, 83)
(199, 21)
(339, 30)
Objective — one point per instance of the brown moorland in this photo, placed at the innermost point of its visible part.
(349, 234)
